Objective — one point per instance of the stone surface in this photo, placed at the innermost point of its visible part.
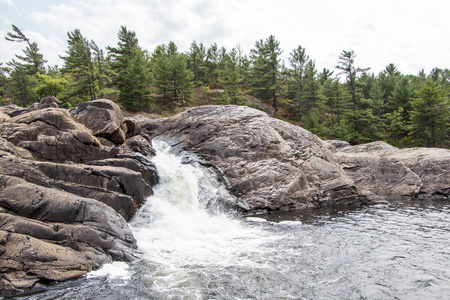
(104, 118)
(269, 164)
(4, 117)
(48, 102)
(52, 134)
(387, 172)
(65, 196)
(273, 165)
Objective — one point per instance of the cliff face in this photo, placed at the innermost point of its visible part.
(67, 186)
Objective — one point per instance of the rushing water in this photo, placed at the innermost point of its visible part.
(192, 251)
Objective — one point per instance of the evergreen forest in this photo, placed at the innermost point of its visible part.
(346, 102)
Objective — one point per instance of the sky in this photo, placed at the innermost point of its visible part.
(413, 35)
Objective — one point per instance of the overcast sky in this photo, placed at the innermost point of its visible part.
(411, 34)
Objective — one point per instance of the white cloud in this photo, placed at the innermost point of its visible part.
(406, 33)
(9, 3)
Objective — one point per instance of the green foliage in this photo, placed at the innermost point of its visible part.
(231, 78)
(196, 60)
(32, 62)
(23, 73)
(3, 81)
(136, 94)
(132, 67)
(430, 115)
(22, 87)
(80, 65)
(315, 124)
(265, 70)
(48, 86)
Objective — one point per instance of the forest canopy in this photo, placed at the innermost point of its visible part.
(346, 102)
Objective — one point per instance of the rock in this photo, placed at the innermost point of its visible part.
(103, 117)
(133, 161)
(132, 126)
(47, 102)
(138, 144)
(386, 172)
(269, 164)
(4, 117)
(50, 101)
(338, 144)
(121, 187)
(7, 147)
(65, 195)
(10, 109)
(52, 134)
(56, 235)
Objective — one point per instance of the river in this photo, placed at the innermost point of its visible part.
(192, 250)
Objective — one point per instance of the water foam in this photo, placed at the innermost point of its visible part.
(181, 238)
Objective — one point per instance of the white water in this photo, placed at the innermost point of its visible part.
(182, 239)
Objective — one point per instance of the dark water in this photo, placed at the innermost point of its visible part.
(395, 251)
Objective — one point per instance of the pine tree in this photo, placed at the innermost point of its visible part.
(311, 86)
(33, 61)
(162, 71)
(171, 74)
(197, 57)
(136, 94)
(79, 64)
(265, 66)
(181, 78)
(230, 77)
(212, 65)
(132, 66)
(401, 97)
(103, 72)
(298, 61)
(430, 115)
(3, 82)
(347, 67)
(24, 72)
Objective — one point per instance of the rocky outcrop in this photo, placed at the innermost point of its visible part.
(104, 118)
(66, 191)
(273, 165)
(268, 163)
(386, 172)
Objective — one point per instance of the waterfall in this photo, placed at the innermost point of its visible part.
(182, 234)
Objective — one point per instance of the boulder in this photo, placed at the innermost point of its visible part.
(132, 127)
(269, 164)
(46, 102)
(386, 172)
(103, 117)
(50, 101)
(138, 144)
(52, 134)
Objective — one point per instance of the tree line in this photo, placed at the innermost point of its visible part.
(347, 103)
